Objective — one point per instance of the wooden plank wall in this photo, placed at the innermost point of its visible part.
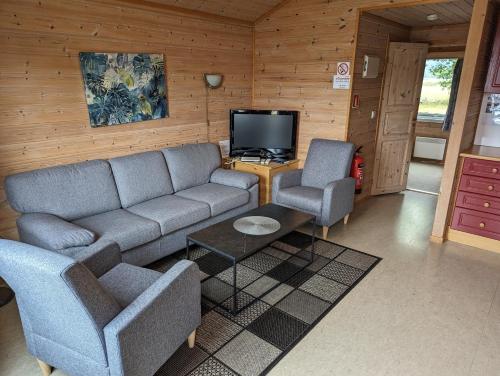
(296, 52)
(374, 35)
(444, 39)
(44, 119)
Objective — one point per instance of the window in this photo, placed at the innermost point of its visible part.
(436, 87)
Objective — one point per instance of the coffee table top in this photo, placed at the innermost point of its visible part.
(223, 239)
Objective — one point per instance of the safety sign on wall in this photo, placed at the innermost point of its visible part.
(342, 80)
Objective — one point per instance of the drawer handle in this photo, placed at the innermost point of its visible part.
(494, 170)
(486, 204)
(482, 225)
(490, 187)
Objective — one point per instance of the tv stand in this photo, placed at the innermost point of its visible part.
(265, 174)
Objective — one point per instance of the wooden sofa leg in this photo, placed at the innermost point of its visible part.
(325, 231)
(46, 369)
(346, 219)
(191, 339)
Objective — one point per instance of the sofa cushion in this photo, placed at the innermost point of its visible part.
(327, 161)
(221, 198)
(126, 229)
(70, 191)
(141, 177)
(234, 178)
(126, 282)
(172, 212)
(191, 165)
(51, 232)
(307, 199)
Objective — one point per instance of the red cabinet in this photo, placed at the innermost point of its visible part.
(477, 204)
(493, 79)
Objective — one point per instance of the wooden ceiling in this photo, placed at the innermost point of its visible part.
(453, 12)
(246, 10)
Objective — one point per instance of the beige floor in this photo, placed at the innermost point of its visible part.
(424, 310)
(425, 176)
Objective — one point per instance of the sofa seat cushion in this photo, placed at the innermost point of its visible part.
(126, 282)
(172, 212)
(220, 198)
(126, 229)
(307, 199)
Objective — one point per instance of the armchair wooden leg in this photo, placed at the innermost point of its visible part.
(325, 231)
(46, 369)
(346, 219)
(191, 339)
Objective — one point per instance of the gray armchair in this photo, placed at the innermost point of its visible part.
(323, 187)
(128, 321)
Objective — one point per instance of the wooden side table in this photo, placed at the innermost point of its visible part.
(265, 173)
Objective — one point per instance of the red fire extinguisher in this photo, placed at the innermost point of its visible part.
(358, 163)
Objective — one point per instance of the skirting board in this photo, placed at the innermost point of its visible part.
(474, 240)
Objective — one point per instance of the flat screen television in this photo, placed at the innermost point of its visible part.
(264, 133)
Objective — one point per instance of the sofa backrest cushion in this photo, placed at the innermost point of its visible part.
(70, 191)
(192, 165)
(141, 177)
(327, 161)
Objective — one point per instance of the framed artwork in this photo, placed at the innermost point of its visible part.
(124, 88)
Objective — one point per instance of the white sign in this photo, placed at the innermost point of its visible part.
(342, 80)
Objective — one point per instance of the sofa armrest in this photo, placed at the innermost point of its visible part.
(99, 257)
(286, 179)
(151, 328)
(51, 232)
(234, 178)
(338, 201)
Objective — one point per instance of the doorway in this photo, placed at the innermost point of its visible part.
(408, 146)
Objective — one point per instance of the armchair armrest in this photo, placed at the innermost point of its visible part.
(51, 232)
(286, 179)
(234, 178)
(338, 200)
(149, 330)
(99, 257)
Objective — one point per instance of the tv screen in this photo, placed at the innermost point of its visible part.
(263, 132)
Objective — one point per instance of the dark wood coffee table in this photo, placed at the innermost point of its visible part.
(229, 243)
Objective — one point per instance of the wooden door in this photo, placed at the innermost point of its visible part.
(493, 80)
(398, 113)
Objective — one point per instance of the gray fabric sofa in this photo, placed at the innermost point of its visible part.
(146, 203)
(127, 322)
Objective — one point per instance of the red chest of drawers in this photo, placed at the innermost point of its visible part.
(477, 204)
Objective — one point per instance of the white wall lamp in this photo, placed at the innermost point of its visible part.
(213, 80)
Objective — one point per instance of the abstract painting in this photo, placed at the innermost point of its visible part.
(124, 88)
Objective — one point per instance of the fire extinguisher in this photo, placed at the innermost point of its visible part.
(358, 163)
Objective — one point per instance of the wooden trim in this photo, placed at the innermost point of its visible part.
(141, 4)
(44, 367)
(487, 153)
(192, 339)
(476, 31)
(253, 67)
(446, 55)
(436, 239)
(271, 11)
(386, 21)
(474, 240)
(408, 4)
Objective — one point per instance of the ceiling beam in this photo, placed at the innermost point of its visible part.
(141, 4)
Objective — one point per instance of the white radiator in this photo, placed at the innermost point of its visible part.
(429, 148)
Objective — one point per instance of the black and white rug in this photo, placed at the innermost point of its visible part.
(288, 298)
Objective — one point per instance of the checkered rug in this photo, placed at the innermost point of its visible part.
(285, 297)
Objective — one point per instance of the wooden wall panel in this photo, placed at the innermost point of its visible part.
(44, 119)
(296, 52)
(444, 38)
(373, 37)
